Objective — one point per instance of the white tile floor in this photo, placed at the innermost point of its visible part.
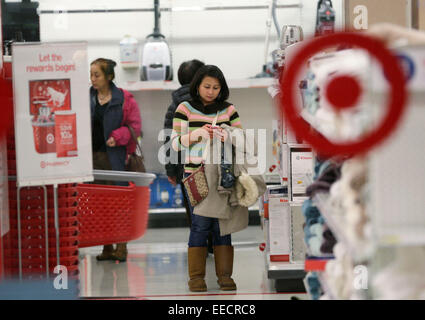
(156, 268)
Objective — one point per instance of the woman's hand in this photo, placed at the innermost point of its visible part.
(205, 132)
(111, 142)
(220, 133)
(209, 129)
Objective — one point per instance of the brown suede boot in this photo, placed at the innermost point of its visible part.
(196, 262)
(107, 253)
(223, 256)
(121, 252)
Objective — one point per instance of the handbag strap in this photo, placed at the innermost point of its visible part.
(133, 135)
(204, 153)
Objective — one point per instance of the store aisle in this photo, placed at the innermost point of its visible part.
(157, 269)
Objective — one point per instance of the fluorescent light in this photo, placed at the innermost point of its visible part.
(13, 0)
(177, 9)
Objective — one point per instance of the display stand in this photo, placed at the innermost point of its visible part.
(295, 163)
(374, 242)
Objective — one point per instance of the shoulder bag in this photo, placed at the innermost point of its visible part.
(196, 184)
(135, 162)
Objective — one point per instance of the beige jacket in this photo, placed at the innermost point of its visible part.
(222, 203)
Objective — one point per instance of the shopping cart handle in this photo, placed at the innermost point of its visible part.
(139, 178)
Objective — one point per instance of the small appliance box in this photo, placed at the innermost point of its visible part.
(301, 166)
(273, 192)
(279, 229)
(164, 194)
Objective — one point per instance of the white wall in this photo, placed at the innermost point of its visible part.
(232, 39)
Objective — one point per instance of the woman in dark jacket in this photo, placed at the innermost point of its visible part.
(185, 74)
(112, 110)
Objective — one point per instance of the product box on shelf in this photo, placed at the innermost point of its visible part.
(276, 191)
(164, 194)
(279, 229)
(301, 166)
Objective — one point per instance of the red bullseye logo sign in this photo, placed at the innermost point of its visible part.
(343, 92)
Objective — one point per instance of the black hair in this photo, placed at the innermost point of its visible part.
(107, 66)
(187, 70)
(213, 72)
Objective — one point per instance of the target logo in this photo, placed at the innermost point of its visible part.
(50, 138)
(343, 92)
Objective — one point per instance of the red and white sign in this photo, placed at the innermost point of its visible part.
(279, 229)
(52, 113)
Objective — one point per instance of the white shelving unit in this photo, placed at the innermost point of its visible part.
(183, 210)
(173, 85)
(167, 210)
(292, 273)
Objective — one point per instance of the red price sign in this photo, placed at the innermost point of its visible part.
(343, 92)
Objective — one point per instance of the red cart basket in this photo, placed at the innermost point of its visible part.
(113, 214)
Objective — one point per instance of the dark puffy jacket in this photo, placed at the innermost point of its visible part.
(117, 115)
(178, 96)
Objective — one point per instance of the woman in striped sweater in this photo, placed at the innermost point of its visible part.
(192, 126)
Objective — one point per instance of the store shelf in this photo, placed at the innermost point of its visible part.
(183, 210)
(172, 85)
(272, 178)
(316, 264)
(167, 210)
(296, 203)
(250, 83)
(285, 270)
(298, 145)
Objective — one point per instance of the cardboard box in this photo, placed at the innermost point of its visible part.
(421, 18)
(279, 229)
(302, 163)
(361, 14)
(273, 192)
(418, 13)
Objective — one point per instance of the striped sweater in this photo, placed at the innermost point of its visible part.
(187, 119)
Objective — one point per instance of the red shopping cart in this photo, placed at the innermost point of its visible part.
(87, 215)
(113, 214)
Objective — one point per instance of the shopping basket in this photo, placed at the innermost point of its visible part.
(113, 214)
